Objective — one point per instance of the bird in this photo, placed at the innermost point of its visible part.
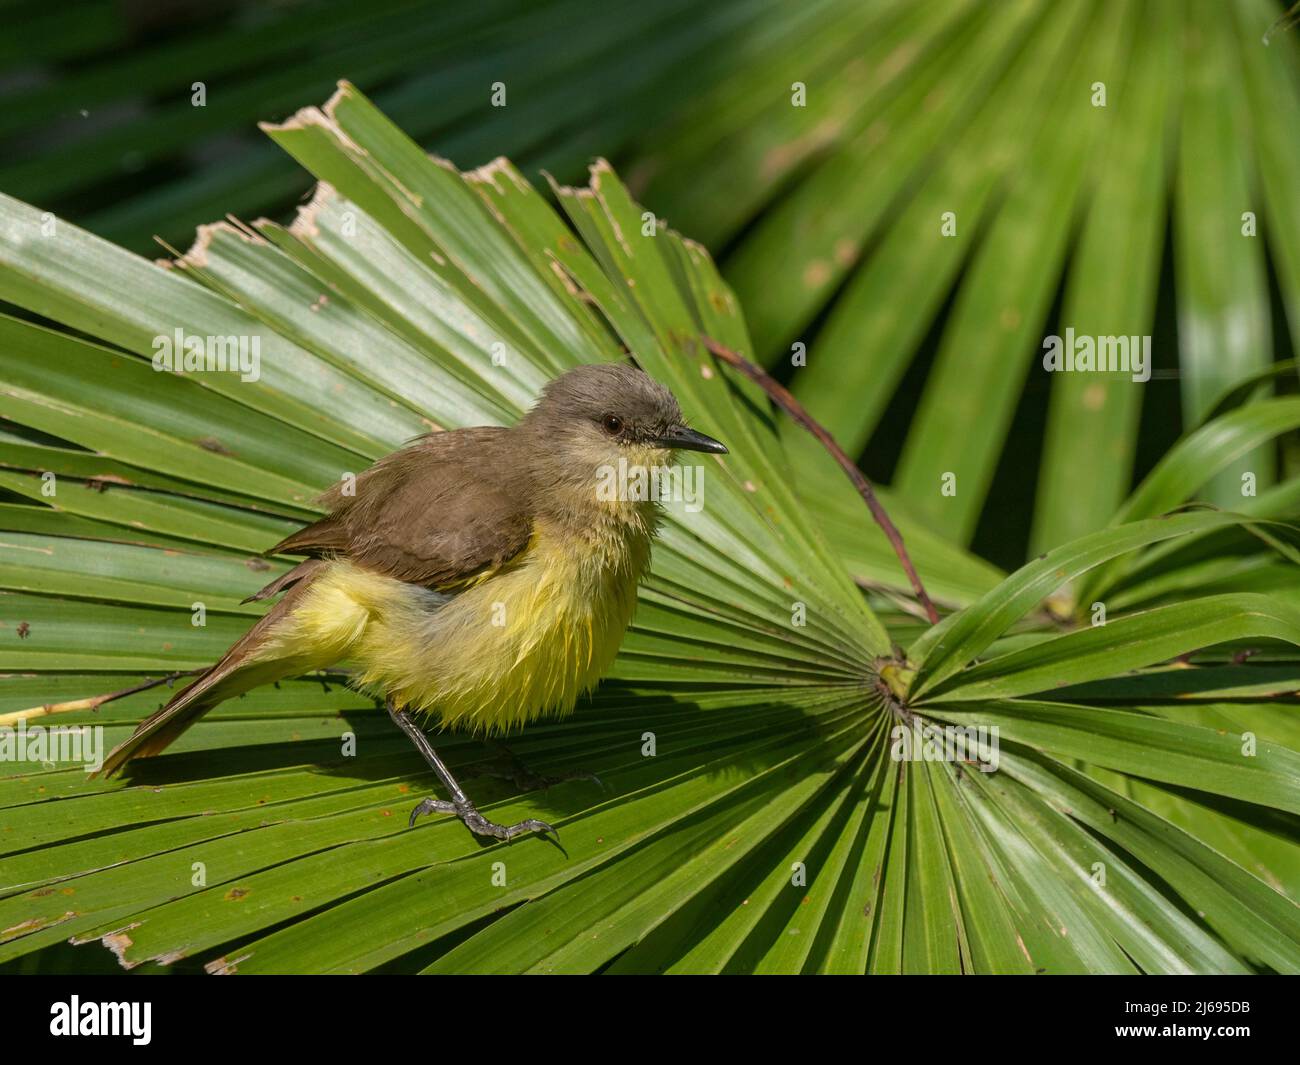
(476, 579)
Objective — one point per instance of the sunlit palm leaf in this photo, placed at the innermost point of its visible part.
(770, 830)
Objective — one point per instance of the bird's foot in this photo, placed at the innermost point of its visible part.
(524, 778)
(477, 823)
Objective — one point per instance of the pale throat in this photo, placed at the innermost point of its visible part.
(608, 497)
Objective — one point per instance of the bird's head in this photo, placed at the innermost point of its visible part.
(591, 417)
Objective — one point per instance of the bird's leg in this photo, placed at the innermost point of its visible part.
(460, 804)
(523, 777)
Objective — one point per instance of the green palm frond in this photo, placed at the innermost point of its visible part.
(140, 120)
(998, 172)
(1120, 168)
(753, 816)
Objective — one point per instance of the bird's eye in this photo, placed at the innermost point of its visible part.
(612, 424)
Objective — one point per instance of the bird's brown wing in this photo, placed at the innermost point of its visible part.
(437, 513)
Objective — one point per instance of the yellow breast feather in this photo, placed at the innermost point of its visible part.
(527, 641)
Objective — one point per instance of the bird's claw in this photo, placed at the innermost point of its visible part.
(430, 806)
(477, 823)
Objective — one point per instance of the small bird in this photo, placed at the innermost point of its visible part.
(477, 578)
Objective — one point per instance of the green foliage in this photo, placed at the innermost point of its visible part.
(1126, 829)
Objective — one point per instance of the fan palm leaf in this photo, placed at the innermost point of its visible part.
(754, 815)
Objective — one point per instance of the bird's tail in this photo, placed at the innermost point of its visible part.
(245, 666)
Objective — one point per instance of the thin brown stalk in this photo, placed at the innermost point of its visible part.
(782, 397)
(93, 702)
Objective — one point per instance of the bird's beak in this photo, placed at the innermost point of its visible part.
(679, 438)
